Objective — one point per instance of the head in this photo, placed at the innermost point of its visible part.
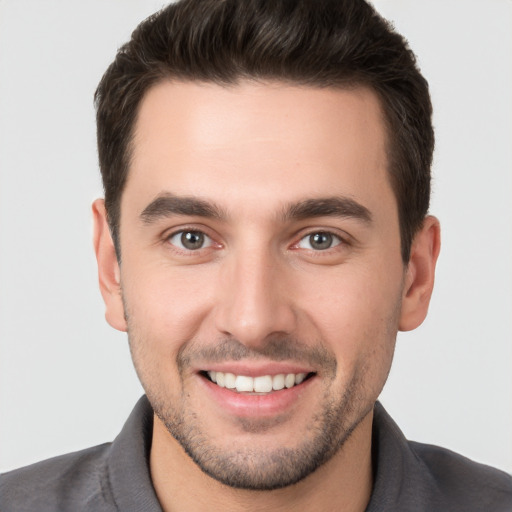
(317, 43)
(266, 171)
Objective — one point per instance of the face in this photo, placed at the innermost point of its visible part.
(261, 277)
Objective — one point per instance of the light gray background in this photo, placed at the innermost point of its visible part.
(66, 378)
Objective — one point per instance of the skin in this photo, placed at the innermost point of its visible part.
(258, 297)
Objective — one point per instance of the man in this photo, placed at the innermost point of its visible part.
(263, 237)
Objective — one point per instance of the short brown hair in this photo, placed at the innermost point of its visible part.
(321, 43)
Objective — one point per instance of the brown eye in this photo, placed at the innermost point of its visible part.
(190, 240)
(319, 241)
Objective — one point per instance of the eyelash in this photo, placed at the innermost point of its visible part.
(336, 239)
(189, 252)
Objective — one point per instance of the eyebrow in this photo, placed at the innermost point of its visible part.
(167, 204)
(336, 206)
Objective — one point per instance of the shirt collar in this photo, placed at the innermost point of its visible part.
(128, 462)
(131, 485)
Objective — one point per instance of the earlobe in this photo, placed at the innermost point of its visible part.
(109, 274)
(419, 278)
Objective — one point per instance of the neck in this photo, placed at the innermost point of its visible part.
(344, 481)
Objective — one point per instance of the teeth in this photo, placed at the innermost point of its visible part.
(220, 379)
(278, 382)
(299, 378)
(244, 383)
(261, 384)
(289, 380)
(230, 380)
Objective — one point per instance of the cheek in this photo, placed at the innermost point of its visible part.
(356, 313)
(165, 305)
(165, 310)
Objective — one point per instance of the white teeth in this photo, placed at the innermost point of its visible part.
(230, 380)
(244, 383)
(220, 379)
(289, 380)
(260, 384)
(299, 378)
(278, 382)
(263, 384)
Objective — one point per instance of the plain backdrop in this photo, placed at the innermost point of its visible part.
(66, 378)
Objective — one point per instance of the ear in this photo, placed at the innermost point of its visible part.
(108, 268)
(419, 278)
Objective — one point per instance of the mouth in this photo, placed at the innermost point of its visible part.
(258, 385)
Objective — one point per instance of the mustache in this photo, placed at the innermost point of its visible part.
(274, 349)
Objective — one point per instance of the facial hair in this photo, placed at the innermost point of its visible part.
(247, 467)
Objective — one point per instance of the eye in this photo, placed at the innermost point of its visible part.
(190, 240)
(319, 241)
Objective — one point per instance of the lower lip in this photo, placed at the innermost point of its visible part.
(246, 405)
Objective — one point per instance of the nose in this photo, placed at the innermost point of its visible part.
(255, 304)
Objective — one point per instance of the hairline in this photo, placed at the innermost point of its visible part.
(350, 83)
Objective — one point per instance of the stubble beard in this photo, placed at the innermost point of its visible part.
(255, 469)
(252, 468)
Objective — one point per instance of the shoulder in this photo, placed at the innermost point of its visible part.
(464, 482)
(421, 477)
(75, 481)
(108, 477)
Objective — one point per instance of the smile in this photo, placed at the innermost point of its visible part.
(259, 384)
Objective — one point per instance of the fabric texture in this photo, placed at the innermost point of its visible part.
(115, 476)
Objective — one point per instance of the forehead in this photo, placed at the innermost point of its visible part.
(256, 141)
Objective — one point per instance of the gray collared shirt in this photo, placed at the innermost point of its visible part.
(115, 476)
